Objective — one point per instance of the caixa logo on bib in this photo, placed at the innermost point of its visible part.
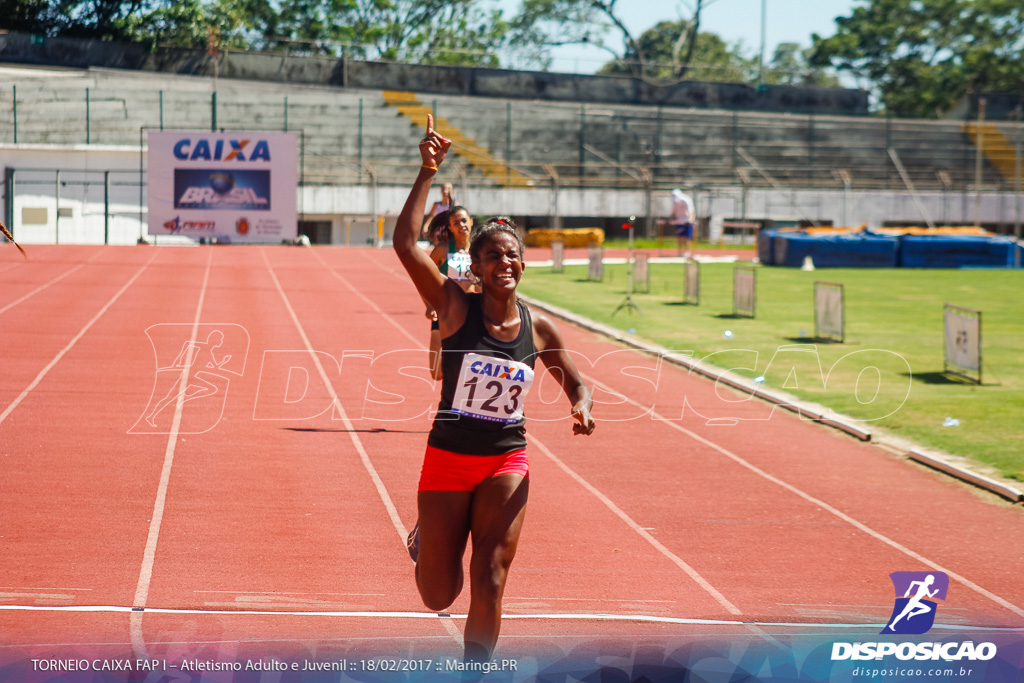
(914, 611)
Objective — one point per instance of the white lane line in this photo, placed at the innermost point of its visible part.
(446, 621)
(644, 534)
(247, 593)
(675, 559)
(820, 503)
(568, 616)
(35, 588)
(149, 554)
(453, 630)
(418, 342)
(74, 340)
(363, 456)
(40, 288)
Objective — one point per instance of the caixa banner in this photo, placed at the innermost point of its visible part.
(233, 186)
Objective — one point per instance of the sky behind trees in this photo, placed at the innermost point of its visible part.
(787, 21)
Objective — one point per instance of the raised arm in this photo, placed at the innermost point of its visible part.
(424, 273)
(551, 349)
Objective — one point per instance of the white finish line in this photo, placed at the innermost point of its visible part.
(444, 615)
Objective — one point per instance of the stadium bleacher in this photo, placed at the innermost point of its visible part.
(349, 133)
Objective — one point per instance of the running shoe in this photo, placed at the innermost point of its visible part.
(412, 543)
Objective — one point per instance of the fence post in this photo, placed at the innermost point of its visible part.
(9, 198)
(657, 143)
(508, 142)
(979, 143)
(1017, 171)
(735, 141)
(302, 174)
(15, 88)
(213, 112)
(106, 207)
(87, 136)
(161, 110)
(583, 135)
(56, 216)
(810, 145)
(285, 113)
(360, 135)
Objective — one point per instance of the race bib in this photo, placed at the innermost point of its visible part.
(492, 388)
(458, 266)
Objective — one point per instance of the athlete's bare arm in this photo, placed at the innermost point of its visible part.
(551, 349)
(441, 294)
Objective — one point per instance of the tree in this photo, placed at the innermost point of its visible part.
(710, 58)
(417, 31)
(98, 19)
(193, 24)
(551, 23)
(921, 57)
(790, 65)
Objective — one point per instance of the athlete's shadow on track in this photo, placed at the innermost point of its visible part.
(375, 430)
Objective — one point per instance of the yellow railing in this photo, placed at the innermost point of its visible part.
(467, 148)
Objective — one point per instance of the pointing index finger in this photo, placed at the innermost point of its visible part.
(430, 124)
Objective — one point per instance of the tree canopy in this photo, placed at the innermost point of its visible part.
(921, 57)
(662, 51)
(473, 32)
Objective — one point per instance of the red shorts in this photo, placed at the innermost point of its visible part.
(447, 471)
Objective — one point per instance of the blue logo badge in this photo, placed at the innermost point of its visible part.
(914, 611)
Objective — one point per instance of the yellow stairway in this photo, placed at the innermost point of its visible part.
(464, 146)
(995, 146)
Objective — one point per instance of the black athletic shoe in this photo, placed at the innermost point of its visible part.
(412, 543)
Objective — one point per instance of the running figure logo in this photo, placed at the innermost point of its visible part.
(193, 373)
(913, 612)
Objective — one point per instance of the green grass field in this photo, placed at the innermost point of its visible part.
(894, 322)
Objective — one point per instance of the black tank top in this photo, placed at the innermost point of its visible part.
(485, 381)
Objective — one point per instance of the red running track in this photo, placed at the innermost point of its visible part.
(269, 509)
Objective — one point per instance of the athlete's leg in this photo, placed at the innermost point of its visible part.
(499, 507)
(444, 527)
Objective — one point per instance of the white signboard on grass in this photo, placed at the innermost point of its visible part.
(557, 256)
(744, 290)
(642, 273)
(828, 311)
(595, 267)
(691, 284)
(232, 186)
(962, 341)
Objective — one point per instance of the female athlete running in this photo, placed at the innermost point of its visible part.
(475, 475)
(449, 231)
